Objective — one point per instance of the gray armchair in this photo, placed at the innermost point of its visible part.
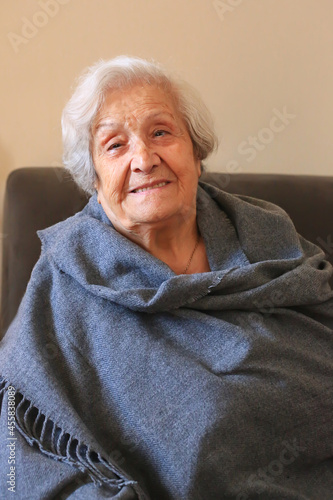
(37, 197)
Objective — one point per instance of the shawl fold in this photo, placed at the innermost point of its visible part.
(157, 385)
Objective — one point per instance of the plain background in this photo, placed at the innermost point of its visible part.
(249, 59)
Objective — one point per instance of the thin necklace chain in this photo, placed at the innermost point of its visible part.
(194, 249)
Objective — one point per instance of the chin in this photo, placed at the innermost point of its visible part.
(156, 214)
(153, 218)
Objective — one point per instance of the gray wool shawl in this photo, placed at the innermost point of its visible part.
(153, 385)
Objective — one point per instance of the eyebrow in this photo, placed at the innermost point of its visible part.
(112, 124)
(106, 124)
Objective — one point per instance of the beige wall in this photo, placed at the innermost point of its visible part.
(250, 59)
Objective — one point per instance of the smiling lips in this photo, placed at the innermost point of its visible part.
(152, 186)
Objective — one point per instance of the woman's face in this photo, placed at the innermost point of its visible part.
(143, 155)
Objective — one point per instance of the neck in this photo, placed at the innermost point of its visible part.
(173, 243)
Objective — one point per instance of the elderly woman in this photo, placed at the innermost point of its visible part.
(143, 362)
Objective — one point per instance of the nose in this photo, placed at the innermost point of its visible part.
(144, 158)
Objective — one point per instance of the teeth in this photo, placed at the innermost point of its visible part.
(151, 187)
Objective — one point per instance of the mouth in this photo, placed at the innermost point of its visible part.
(150, 187)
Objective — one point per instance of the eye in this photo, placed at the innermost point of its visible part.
(160, 133)
(114, 146)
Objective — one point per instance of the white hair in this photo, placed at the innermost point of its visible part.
(121, 72)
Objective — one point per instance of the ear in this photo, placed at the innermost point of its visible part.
(96, 182)
(199, 167)
(96, 186)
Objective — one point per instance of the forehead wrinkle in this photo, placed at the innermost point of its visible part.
(106, 124)
(130, 108)
(111, 124)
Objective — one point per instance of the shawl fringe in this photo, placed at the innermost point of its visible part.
(54, 442)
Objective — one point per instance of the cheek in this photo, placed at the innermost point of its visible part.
(190, 168)
(108, 180)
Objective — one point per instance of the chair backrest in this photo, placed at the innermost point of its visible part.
(38, 197)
